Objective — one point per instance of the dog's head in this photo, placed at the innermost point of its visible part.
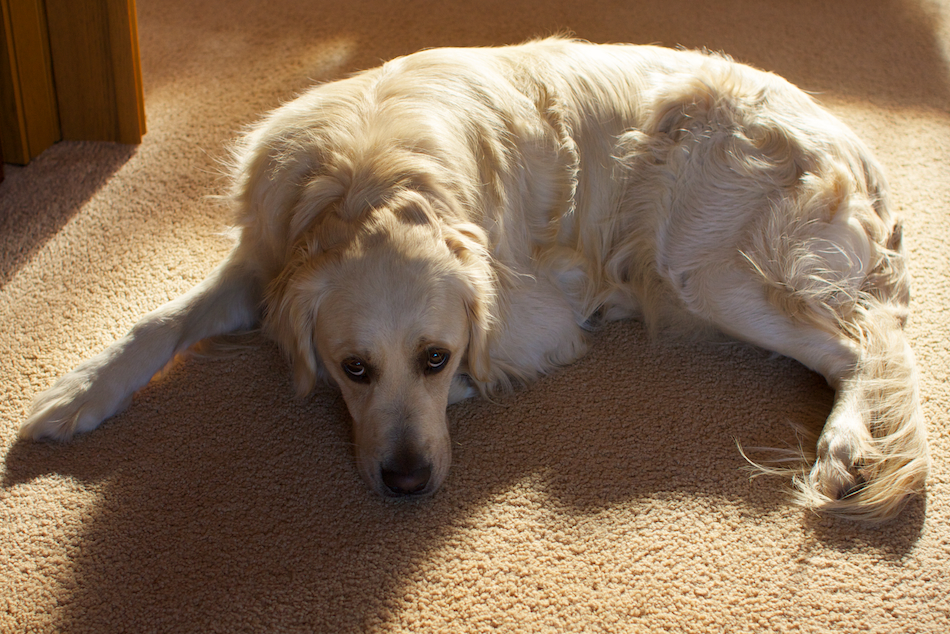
(393, 307)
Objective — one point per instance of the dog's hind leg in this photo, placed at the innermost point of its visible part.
(225, 301)
(872, 451)
(813, 270)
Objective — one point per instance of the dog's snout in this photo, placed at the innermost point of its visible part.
(407, 474)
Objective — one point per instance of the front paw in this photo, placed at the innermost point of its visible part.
(77, 402)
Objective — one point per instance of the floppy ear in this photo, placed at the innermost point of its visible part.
(290, 313)
(479, 292)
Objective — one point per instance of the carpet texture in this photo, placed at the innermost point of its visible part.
(608, 497)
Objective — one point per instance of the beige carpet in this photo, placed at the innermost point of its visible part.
(609, 497)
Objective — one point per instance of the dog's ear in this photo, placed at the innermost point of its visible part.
(479, 292)
(291, 305)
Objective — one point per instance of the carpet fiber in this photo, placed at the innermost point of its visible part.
(608, 497)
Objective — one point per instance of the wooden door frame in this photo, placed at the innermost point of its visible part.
(70, 70)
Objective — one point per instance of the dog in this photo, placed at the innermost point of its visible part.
(453, 222)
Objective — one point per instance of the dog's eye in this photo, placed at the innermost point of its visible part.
(356, 370)
(436, 360)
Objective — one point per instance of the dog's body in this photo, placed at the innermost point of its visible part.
(451, 222)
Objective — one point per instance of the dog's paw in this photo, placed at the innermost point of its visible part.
(836, 471)
(77, 402)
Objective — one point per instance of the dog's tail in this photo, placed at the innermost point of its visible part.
(889, 458)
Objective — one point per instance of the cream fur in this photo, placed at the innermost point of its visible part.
(453, 221)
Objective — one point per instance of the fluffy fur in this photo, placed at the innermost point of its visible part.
(451, 222)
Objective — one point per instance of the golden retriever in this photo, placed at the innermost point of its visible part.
(452, 222)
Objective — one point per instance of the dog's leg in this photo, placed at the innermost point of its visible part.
(226, 300)
(872, 451)
(461, 389)
(540, 332)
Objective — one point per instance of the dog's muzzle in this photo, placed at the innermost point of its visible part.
(406, 473)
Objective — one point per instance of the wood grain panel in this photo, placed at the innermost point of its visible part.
(29, 121)
(94, 47)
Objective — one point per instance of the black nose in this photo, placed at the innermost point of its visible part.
(406, 477)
